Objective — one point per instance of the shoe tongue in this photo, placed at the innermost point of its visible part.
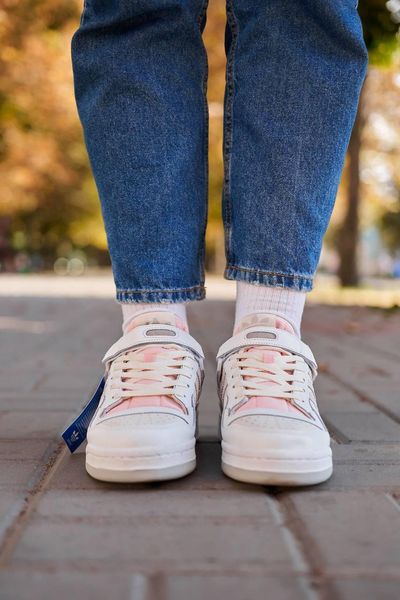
(157, 317)
(150, 354)
(263, 353)
(264, 319)
(267, 356)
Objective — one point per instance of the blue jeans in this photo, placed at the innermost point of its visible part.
(294, 73)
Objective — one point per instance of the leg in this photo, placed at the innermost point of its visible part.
(140, 79)
(294, 74)
(295, 70)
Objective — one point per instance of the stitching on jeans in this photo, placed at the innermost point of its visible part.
(200, 20)
(273, 273)
(228, 125)
(161, 291)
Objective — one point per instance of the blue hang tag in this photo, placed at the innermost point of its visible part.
(75, 434)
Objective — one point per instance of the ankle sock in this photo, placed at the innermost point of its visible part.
(282, 302)
(135, 313)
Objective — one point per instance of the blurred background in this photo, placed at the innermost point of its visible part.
(50, 219)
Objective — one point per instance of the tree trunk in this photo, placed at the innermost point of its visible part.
(349, 230)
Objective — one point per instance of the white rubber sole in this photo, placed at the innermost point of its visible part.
(264, 471)
(139, 469)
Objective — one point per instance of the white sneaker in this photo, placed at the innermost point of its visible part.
(272, 432)
(145, 426)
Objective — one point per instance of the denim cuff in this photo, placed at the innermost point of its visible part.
(301, 283)
(159, 296)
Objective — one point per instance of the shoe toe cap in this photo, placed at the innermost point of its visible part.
(265, 433)
(141, 431)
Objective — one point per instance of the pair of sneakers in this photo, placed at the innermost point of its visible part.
(146, 424)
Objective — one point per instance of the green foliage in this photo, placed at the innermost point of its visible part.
(380, 25)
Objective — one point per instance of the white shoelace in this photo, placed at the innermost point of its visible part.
(282, 379)
(132, 376)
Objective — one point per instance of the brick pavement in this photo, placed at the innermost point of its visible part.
(64, 535)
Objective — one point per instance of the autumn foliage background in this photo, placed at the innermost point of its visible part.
(49, 211)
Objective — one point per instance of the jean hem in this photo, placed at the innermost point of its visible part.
(301, 283)
(160, 296)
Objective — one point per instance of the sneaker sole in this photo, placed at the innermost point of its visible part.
(265, 471)
(130, 469)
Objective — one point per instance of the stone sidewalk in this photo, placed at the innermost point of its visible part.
(64, 535)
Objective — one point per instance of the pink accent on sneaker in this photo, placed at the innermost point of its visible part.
(159, 316)
(149, 354)
(267, 356)
(265, 319)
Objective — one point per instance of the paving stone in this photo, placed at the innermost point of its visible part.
(232, 588)
(365, 466)
(352, 531)
(25, 585)
(56, 400)
(376, 477)
(77, 385)
(214, 543)
(20, 382)
(365, 426)
(8, 497)
(209, 403)
(369, 373)
(208, 433)
(333, 397)
(28, 585)
(209, 421)
(367, 589)
(15, 475)
(147, 503)
(22, 450)
(366, 453)
(31, 424)
(19, 458)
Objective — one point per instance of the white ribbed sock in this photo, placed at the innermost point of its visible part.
(133, 310)
(253, 298)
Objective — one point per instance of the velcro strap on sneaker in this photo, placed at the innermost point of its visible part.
(152, 334)
(268, 336)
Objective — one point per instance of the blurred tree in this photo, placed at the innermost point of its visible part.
(380, 24)
(213, 39)
(48, 203)
(389, 223)
(390, 226)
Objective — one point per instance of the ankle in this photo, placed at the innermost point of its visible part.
(282, 303)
